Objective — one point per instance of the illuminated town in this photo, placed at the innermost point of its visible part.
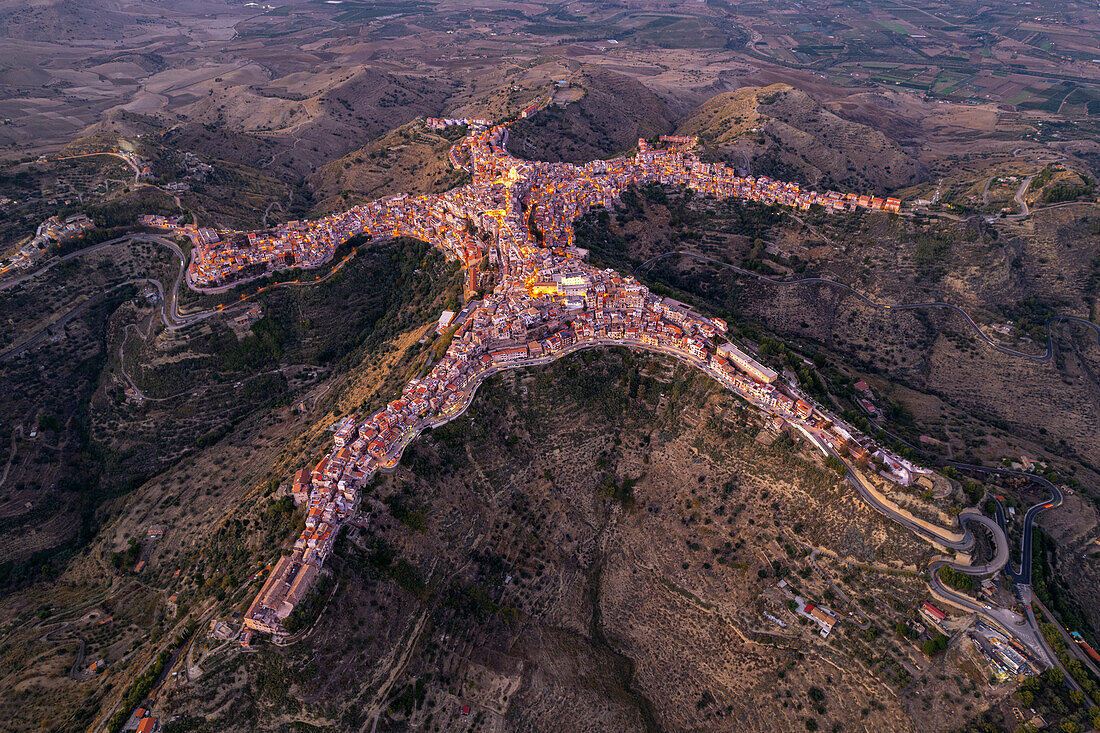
(503, 189)
(548, 302)
(623, 366)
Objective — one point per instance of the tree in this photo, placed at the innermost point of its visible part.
(1054, 677)
(934, 645)
(956, 579)
(836, 464)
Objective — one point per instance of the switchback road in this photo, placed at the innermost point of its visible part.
(169, 298)
(58, 324)
(1023, 575)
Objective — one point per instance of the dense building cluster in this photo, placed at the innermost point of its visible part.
(442, 123)
(224, 257)
(1005, 656)
(547, 302)
(465, 220)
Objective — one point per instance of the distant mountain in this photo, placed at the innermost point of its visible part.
(321, 120)
(58, 20)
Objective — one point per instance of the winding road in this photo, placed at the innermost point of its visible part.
(1020, 200)
(1025, 628)
(1028, 627)
(170, 314)
(1023, 575)
(56, 326)
(169, 299)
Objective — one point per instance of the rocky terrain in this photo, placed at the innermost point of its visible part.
(629, 595)
(788, 135)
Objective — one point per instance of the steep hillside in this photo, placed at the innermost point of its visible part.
(615, 111)
(1013, 275)
(786, 134)
(112, 126)
(250, 411)
(409, 160)
(117, 399)
(599, 540)
(315, 119)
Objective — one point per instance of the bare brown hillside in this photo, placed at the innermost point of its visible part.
(787, 134)
(615, 111)
(315, 120)
(410, 159)
(566, 550)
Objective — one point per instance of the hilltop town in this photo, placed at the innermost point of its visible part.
(547, 302)
(250, 482)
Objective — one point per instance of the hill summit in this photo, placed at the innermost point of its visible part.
(786, 134)
(613, 113)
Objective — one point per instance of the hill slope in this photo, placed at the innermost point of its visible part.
(210, 490)
(608, 560)
(615, 111)
(786, 134)
(316, 119)
(408, 160)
